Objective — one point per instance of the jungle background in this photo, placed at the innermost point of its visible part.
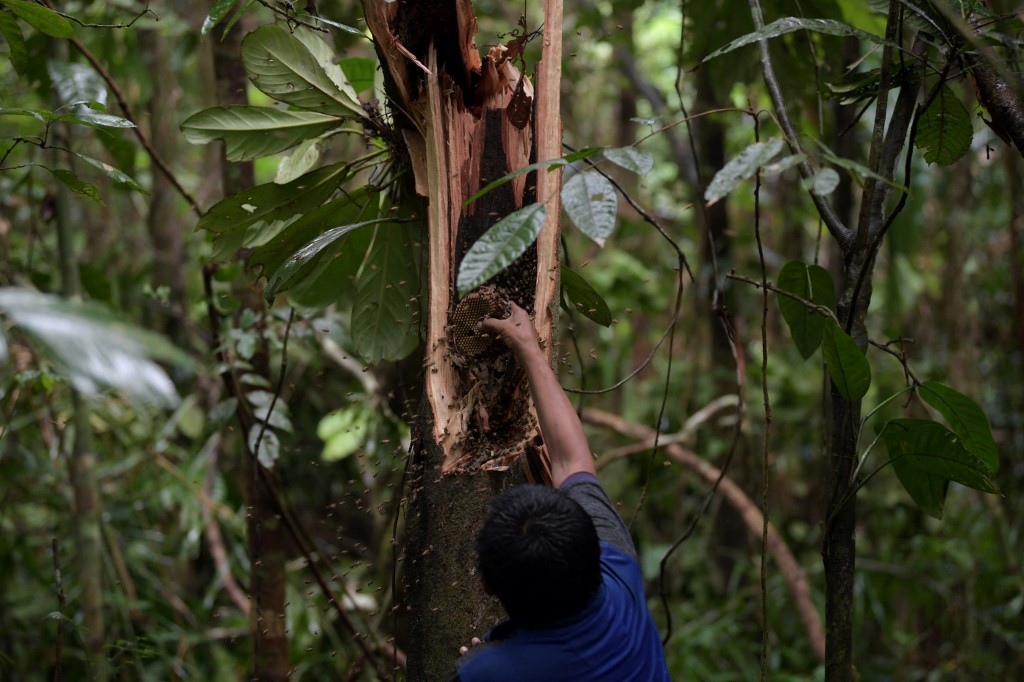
(126, 487)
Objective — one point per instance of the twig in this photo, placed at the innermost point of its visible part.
(59, 643)
(824, 311)
(216, 541)
(832, 221)
(792, 572)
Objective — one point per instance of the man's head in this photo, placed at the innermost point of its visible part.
(539, 553)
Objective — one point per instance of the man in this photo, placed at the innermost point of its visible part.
(560, 559)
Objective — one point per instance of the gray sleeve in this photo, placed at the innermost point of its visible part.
(589, 494)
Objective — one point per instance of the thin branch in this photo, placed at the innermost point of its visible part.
(832, 221)
(61, 603)
(824, 311)
(791, 570)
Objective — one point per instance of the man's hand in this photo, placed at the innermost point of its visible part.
(516, 331)
(473, 642)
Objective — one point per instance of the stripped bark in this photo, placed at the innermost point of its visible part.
(450, 110)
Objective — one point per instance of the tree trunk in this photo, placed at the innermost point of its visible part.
(451, 111)
(267, 535)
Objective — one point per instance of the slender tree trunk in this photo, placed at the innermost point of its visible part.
(268, 538)
(465, 121)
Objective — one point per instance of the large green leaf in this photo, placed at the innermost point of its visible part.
(812, 283)
(590, 201)
(495, 250)
(966, 419)
(386, 315)
(926, 451)
(360, 72)
(743, 166)
(299, 162)
(584, 297)
(846, 364)
(254, 132)
(298, 69)
(944, 131)
(344, 431)
(77, 185)
(927, 490)
(219, 10)
(41, 18)
(17, 51)
(254, 216)
(94, 349)
(630, 158)
(118, 176)
(790, 24)
(304, 261)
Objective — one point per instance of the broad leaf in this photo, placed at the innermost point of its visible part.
(114, 174)
(944, 131)
(966, 419)
(846, 363)
(217, 12)
(790, 24)
(360, 72)
(254, 132)
(41, 18)
(497, 248)
(783, 164)
(927, 490)
(927, 451)
(823, 182)
(94, 349)
(590, 201)
(84, 93)
(252, 217)
(18, 53)
(742, 167)
(345, 431)
(76, 185)
(584, 298)
(386, 315)
(299, 162)
(630, 158)
(305, 260)
(298, 69)
(814, 284)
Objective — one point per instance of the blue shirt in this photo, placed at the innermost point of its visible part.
(614, 639)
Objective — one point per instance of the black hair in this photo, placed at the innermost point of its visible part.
(539, 553)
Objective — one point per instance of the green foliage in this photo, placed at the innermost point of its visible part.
(503, 242)
(254, 132)
(944, 131)
(583, 297)
(966, 419)
(92, 348)
(742, 167)
(41, 18)
(847, 366)
(811, 283)
(590, 201)
(788, 25)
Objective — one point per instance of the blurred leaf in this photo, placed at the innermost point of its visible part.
(76, 185)
(503, 242)
(630, 158)
(300, 161)
(783, 164)
(254, 132)
(823, 182)
(743, 166)
(341, 27)
(234, 221)
(262, 402)
(386, 315)
(268, 444)
(77, 84)
(790, 24)
(944, 131)
(360, 72)
(11, 31)
(846, 364)
(298, 69)
(966, 419)
(345, 431)
(121, 179)
(217, 12)
(92, 348)
(814, 284)
(590, 201)
(41, 18)
(585, 298)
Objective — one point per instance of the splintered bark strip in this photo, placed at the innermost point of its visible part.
(549, 146)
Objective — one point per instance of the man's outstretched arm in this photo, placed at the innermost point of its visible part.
(559, 424)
